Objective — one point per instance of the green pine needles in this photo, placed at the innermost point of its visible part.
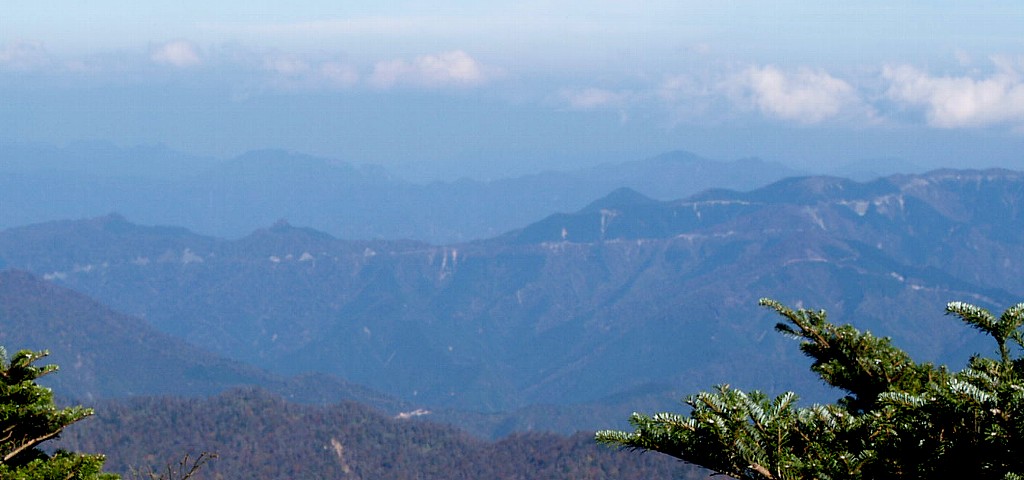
(898, 419)
(28, 418)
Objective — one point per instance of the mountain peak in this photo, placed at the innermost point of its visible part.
(281, 225)
(677, 156)
(113, 222)
(619, 198)
(283, 231)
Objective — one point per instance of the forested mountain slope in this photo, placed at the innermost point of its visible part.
(103, 354)
(260, 436)
(627, 298)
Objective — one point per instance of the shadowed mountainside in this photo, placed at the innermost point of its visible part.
(104, 354)
(107, 355)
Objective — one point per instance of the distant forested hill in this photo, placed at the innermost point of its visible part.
(259, 436)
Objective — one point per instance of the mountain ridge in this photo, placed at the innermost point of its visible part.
(233, 197)
(591, 305)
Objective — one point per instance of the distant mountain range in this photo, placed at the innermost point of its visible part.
(629, 302)
(155, 185)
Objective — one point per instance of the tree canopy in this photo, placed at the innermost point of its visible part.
(29, 417)
(898, 419)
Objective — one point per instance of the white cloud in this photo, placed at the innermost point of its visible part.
(23, 56)
(951, 102)
(805, 96)
(179, 53)
(339, 74)
(724, 95)
(449, 69)
(291, 72)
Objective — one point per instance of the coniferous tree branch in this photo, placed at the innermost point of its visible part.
(900, 419)
(28, 418)
(29, 444)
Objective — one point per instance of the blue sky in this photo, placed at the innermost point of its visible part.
(446, 88)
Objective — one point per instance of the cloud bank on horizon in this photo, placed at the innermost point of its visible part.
(927, 65)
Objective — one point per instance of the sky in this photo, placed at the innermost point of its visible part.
(449, 88)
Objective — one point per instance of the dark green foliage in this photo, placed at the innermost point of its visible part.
(28, 418)
(260, 436)
(899, 419)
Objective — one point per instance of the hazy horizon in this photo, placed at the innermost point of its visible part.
(450, 89)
